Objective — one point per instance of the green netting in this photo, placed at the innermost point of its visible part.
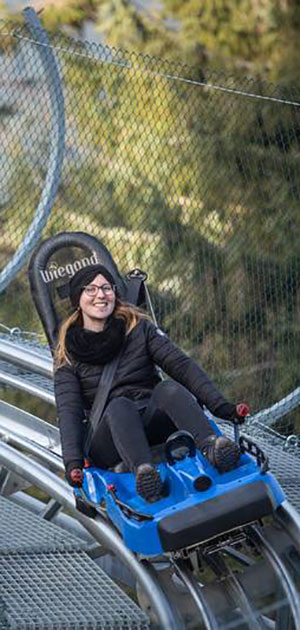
(190, 175)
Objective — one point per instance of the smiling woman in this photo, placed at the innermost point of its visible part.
(93, 294)
(141, 410)
(97, 303)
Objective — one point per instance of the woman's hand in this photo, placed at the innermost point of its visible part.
(74, 474)
(232, 412)
(241, 411)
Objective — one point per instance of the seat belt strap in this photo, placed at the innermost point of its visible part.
(135, 294)
(101, 398)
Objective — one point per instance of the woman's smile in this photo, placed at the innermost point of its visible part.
(101, 306)
(97, 308)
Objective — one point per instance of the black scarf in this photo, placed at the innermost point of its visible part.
(96, 348)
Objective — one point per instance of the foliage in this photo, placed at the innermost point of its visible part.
(57, 13)
(257, 36)
(247, 35)
(197, 185)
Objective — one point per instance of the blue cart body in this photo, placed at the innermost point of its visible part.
(200, 502)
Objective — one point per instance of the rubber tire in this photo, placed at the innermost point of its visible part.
(85, 509)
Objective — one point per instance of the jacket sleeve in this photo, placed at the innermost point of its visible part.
(70, 413)
(183, 369)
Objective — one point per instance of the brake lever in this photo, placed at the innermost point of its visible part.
(236, 427)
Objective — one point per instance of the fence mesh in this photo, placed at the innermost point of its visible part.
(192, 176)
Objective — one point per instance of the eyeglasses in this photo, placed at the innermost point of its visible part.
(92, 289)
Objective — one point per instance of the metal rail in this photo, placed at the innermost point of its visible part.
(282, 572)
(180, 625)
(104, 534)
(46, 457)
(278, 410)
(195, 591)
(240, 596)
(25, 357)
(14, 421)
(56, 154)
(289, 519)
(19, 382)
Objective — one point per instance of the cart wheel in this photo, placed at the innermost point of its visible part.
(85, 509)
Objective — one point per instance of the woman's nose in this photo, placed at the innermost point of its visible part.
(100, 289)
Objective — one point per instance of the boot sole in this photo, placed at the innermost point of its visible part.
(149, 485)
(227, 457)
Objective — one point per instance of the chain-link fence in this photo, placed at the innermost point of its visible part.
(190, 175)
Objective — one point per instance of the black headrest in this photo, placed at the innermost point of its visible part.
(52, 265)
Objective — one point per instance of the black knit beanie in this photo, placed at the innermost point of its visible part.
(85, 276)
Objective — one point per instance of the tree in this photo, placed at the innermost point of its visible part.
(194, 184)
(57, 13)
(255, 36)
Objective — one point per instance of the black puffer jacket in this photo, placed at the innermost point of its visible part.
(136, 375)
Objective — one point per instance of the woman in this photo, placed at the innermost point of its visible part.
(141, 409)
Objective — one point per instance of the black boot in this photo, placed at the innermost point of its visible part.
(148, 483)
(221, 452)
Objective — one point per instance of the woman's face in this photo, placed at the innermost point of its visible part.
(97, 302)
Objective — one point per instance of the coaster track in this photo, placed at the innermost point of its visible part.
(226, 582)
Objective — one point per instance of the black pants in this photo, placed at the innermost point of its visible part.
(126, 433)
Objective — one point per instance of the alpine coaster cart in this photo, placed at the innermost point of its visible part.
(225, 547)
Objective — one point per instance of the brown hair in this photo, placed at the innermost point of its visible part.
(131, 314)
